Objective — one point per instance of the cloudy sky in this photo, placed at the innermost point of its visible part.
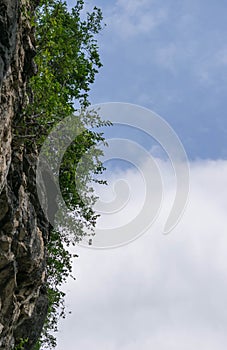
(170, 57)
(161, 291)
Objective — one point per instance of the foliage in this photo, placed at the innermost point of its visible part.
(20, 346)
(67, 60)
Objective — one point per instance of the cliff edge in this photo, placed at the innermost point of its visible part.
(23, 228)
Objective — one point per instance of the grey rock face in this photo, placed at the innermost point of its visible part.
(8, 27)
(23, 228)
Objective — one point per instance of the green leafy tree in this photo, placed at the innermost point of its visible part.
(67, 61)
(21, 344)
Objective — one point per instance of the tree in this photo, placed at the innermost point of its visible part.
(67, 61)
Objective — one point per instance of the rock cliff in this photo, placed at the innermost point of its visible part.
(23, 228)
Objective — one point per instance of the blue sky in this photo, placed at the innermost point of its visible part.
(170, 57)
(160, 292)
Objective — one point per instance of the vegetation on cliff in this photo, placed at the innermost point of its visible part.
(67, 61)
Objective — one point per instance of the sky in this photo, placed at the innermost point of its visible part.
(159, 291)
(170, 57)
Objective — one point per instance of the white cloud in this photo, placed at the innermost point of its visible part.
(161, 292)
(132, 18)
(132, 6)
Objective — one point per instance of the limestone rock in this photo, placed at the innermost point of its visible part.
(23, 227)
